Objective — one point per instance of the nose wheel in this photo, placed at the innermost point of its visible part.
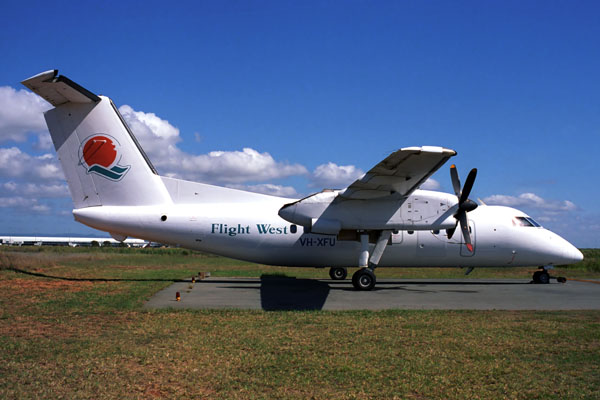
(542, 276)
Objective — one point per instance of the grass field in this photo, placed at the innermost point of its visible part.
(88, 337)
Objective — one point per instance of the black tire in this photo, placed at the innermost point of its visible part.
(544, 277)
(561, 279)
(536, 276)
(338, 273)
(364, 279)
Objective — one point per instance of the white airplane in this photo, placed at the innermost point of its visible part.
(380, 220)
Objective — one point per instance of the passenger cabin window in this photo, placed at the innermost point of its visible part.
(525, 221)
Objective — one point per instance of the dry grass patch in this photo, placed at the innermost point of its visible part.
(28, 287)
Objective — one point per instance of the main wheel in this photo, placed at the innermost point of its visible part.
(338, 274)
(363, 279)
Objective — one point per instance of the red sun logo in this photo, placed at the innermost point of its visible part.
(99, 150)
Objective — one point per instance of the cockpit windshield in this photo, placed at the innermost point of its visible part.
(525, 221)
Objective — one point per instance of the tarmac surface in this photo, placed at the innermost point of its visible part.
(272, 293)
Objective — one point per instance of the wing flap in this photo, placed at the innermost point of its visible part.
(58, 90)
(400, 173)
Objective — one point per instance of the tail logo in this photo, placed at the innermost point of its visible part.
(99, 155)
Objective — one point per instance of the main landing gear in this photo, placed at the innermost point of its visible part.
(542, 276)
(364, 278)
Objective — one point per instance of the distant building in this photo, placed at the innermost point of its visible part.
(68, 241)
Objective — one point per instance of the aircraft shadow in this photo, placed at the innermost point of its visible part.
(282, 293)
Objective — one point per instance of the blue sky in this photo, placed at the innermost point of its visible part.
(318, 92)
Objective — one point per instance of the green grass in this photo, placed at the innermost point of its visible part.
(179, 263)
(92, 339)
(590, 263)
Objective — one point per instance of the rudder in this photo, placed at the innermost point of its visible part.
(102, 161)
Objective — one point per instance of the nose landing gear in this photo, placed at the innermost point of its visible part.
(542, 276)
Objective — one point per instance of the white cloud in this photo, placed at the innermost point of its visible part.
(159, 139)
(40, 209)
(24, 203)
(268, 188)
(21, 112)
(16, 164)
(44, 141)
(531, 200)
(36, 190)
(333, 176)
(430, 184)
(238, 166)
(147, 125)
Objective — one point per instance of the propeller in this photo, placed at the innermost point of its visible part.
(465, 205)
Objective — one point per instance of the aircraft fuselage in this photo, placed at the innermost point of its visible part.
(254, 232)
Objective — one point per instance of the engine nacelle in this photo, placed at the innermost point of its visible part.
(325, 226)
(327, 213)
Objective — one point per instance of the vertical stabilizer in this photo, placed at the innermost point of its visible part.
(102, 161)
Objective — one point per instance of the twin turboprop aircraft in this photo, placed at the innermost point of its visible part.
(382, 219)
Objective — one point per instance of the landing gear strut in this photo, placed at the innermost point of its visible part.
(364, 278)
(338, 273)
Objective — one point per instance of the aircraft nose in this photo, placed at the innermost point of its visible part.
(569, 254)
(558, 250)
(573, 254)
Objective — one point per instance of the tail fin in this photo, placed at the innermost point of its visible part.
(102, 161)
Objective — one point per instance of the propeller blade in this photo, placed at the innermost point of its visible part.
(450, 232)
(468, 185)
(466, 190)
(464, 227)
(455, 180)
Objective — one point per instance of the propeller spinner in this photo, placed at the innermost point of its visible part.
(464, 204)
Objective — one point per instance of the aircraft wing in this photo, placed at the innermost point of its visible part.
(401, 173)
(58, 90)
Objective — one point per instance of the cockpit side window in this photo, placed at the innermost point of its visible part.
(533, 222)
(525, 221)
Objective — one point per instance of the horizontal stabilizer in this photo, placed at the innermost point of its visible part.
(58, 90)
